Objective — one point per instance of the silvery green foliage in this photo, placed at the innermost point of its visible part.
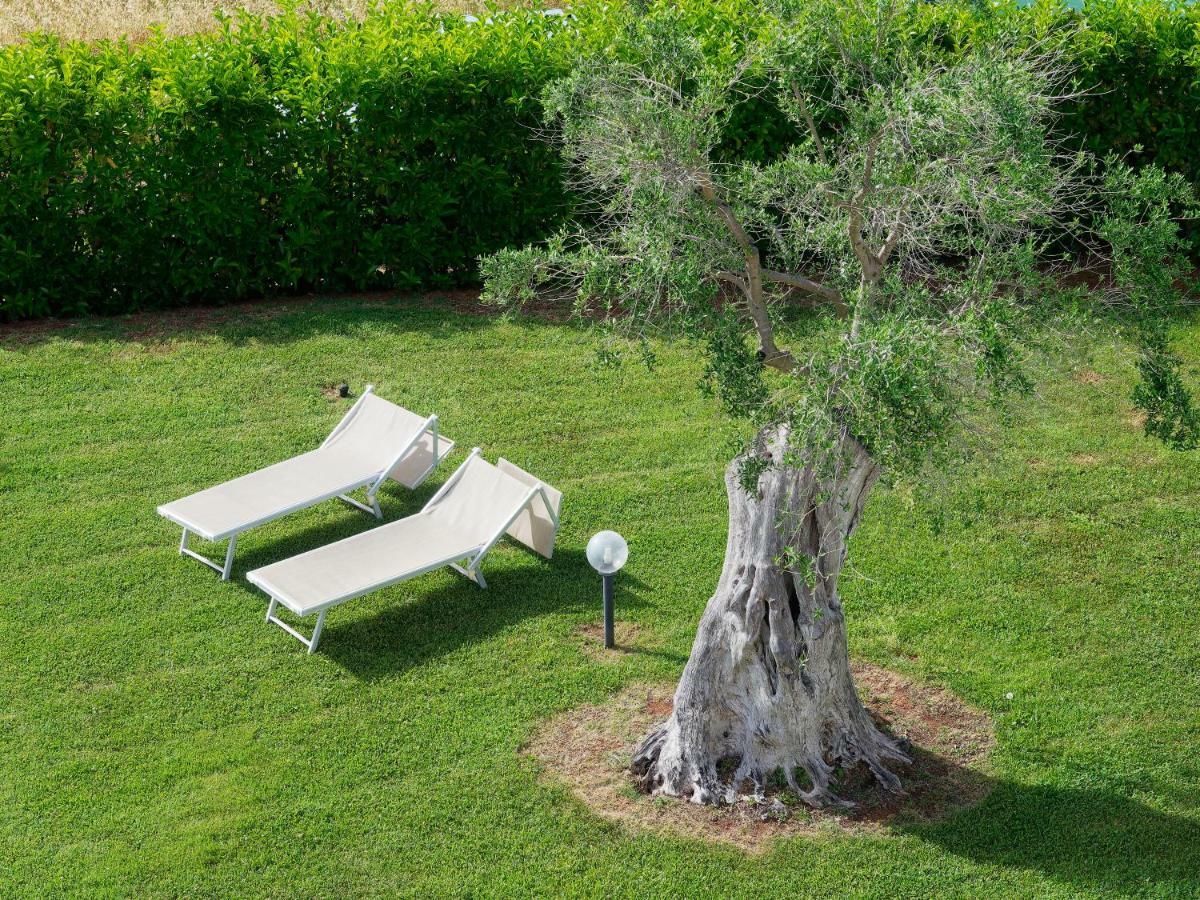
(925, 212)
(925, 217)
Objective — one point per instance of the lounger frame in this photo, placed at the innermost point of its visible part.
(372, 484)
(465, 564)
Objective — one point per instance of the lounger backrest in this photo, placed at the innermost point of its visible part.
(481, 502)
(378, 429)
(537, 524)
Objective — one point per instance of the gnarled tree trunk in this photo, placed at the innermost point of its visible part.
(768, 683)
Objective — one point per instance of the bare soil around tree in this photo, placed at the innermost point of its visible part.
(588, 750)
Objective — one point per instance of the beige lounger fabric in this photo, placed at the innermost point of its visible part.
(233, 506)
(364, 447)
(361, 563)
(379, 428)
(537, 525)
(480, 503)
(463, 520)
(416, 465)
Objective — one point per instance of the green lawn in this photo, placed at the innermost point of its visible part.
(158, 738)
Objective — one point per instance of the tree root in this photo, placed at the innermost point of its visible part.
(658, 767)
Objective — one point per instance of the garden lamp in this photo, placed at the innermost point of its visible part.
(607, 552)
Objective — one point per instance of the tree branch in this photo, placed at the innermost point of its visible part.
(732, 278)
(769, 352)
(890, 244)
(895, 234)
(858, 242)
(812, 125)
(812, 287)
(725, 211)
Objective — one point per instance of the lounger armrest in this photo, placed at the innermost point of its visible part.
(420, 461)
(537, 525)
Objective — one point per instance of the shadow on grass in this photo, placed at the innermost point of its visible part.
(275, 321)
(1091, 839)
(679, 659)
(1094, 839)
(342, 522)
(432, 621)
(438, 621)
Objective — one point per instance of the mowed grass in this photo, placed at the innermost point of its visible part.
(158, 738)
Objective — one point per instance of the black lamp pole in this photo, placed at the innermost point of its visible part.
(607, 552)
(608, 612)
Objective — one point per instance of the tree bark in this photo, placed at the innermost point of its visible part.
(768, 684)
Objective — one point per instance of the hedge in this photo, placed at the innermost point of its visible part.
(284, 155)
(301, 153)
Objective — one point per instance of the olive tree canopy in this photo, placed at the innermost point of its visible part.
(925, 220)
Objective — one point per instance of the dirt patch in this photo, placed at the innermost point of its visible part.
(161, 348)
(1088, 376)
(141, 348)
(588, 749)
(333, 391)
(1137, 419)
(31, 331)
(1084, 459)
(155, 327)
(628, 637)
(467, 301)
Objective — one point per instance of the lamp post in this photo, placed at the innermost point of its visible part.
(607, 552)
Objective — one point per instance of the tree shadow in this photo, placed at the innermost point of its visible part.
(1090, 838)
(1094, 838)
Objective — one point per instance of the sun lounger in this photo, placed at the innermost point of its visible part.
(374, 441)
(477, 506)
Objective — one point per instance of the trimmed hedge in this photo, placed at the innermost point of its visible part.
(1141, 61)
(272, 156)
(298, 153)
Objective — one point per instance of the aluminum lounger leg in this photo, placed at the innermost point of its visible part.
(471, 571)
(310, 643)
(374, 498)
(373, 509)
(229, 559)
(475, 560)
(185, 550)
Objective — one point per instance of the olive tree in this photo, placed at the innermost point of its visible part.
(922, 221)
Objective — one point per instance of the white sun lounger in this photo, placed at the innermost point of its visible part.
(476, 507)
(374, 441)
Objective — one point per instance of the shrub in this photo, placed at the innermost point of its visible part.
(278, 155)
(1141, 62)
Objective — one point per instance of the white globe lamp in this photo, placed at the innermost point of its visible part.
(607, 552)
